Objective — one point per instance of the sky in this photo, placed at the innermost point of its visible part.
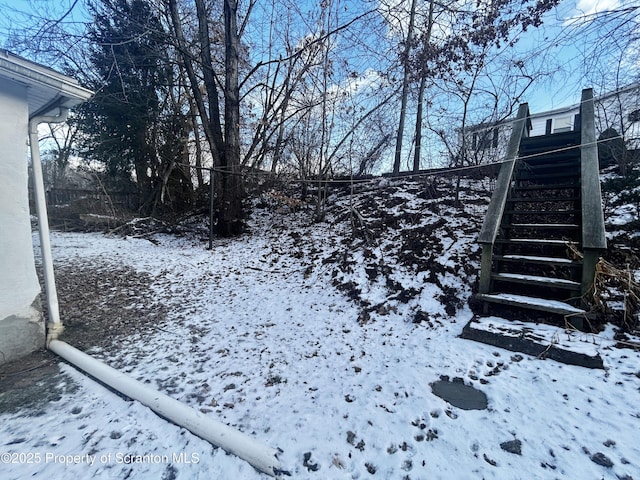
(562, 58)
(561, 93)
(565, 87)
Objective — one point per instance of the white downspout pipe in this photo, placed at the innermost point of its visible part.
(54, 325)
(233, 441)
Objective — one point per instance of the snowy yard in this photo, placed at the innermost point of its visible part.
(304, 342)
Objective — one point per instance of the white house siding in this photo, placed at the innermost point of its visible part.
(556, 121)
(619, 110)
(21, 322)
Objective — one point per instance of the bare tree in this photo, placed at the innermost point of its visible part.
(231, 218)
(405, 86)
(421, 90)
(225, 149)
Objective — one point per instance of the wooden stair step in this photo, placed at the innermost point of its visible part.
(553, 140)
(543, 199)
(543, 226)
(550, 162)
(543, 176)
(561, 148)
(556, 261)
(551, 183)
(547, 186)
(541, 212)
(537, 280)
(565, 150)
(560, 153)
(532, 303)
(537, 241)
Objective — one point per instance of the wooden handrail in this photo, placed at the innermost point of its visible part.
(593, 231)
(491, 224)
(493, 218)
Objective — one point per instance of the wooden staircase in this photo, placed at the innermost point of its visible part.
(539, 251)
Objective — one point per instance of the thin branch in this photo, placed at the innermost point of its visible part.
(299, 52)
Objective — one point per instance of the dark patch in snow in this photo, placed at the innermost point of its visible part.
(102, 304)
(420, 317)
(512, 446)
(312, 467)
(16, 441)
(601, 459)
(489, 460)
(459, 395)
(274, 380)
(170, 473)
(31, 381)
(351, 440)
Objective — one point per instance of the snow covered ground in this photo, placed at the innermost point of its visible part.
(297, 335)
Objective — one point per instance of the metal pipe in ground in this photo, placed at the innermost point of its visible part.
(261, 457)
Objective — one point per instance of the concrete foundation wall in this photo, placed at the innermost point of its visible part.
(21, 322)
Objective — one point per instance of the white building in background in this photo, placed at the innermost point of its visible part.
(618, 110)
(27, 92)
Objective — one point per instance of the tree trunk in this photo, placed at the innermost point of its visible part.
(418, 151)
(141, 166)
(324, 133)
(225, 150)
(423, 84)
(277, 151)
(230, 221)
(209, 79)
(211, 125)
(198, 145)
(405, 88)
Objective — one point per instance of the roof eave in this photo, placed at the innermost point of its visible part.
(65, 91)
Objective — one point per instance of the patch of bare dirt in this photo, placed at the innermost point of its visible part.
(100, 304)
(30, 382)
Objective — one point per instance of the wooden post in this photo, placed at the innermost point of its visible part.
(593, 230)
(211, 207)
(589, 263)
(485, 268)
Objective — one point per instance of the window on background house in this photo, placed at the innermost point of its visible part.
(485, 140)
(563, 124)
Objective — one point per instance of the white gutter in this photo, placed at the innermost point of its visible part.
(231, 440)
(42, 78)
(54, 326)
